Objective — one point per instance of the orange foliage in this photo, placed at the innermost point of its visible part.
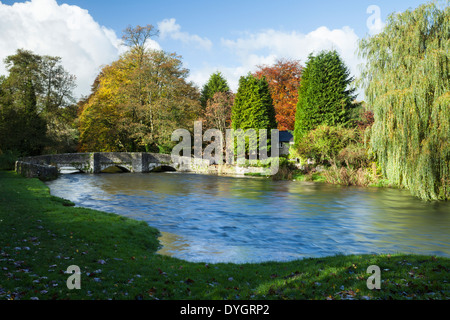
(284, 79)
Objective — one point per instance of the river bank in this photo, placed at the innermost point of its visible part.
(43, 235)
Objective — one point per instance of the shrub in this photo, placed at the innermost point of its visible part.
(285, 171)
(332, 145)
(348, 176)
(354, 155)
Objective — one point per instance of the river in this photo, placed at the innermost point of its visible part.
(238, 219)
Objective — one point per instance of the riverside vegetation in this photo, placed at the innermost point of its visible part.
(398, 137)
(43, 235)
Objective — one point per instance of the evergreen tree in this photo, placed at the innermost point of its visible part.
(253, 106)
(406, 81)
(324, 94)
(216, 83)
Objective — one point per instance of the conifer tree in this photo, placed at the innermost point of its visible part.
(216, 83)
(253, 106)
(325, 96)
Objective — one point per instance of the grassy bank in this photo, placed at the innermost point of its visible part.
(42, 235)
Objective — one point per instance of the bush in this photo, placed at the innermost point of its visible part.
(354, 155)
(333, 145)
(348, 176)
(285, 171)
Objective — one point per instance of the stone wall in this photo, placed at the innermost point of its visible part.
(34, 170)
(80, 161)
(235, 170)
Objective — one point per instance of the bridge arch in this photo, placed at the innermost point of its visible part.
(115, 169)
(163, 168)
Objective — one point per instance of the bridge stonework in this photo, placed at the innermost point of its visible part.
(96, 162)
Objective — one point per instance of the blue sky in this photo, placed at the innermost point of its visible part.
(228, 36)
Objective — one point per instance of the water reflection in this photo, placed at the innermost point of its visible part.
(213, 218)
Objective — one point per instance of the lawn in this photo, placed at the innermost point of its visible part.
(42, 235)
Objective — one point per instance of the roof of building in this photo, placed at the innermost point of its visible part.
(285, 136)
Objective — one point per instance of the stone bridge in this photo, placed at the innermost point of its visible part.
(97, 162)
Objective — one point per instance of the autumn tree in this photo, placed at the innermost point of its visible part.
(137, 37)
(137, 102)
(284, 79)
(325, 95)
(218, 111)
(406, 81)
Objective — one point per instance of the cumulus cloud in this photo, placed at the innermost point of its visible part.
(67, 31)
(168, 28)
(266, 46)
(71, 33)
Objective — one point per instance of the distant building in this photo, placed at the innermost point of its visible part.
(286, 139)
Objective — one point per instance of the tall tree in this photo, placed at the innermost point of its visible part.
(40, 88)
(325, 96)
(137, 37)
(18, 105)
(284, 80)
(216, 83)
(406, 80)
(136, 106)
(58, 105)
(253, 106)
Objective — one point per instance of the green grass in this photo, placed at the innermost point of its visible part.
(312, 176)
(42, 235)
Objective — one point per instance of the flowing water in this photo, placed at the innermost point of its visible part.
(230, 219)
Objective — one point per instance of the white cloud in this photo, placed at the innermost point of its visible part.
(67, 31)
(266, 46)
(231, 73)
(169, 28)
(70, 32)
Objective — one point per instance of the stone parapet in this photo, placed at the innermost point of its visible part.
(33, 170)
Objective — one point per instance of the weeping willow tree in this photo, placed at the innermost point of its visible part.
(406, 80)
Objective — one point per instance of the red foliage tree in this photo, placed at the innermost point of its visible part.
(284, 79)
